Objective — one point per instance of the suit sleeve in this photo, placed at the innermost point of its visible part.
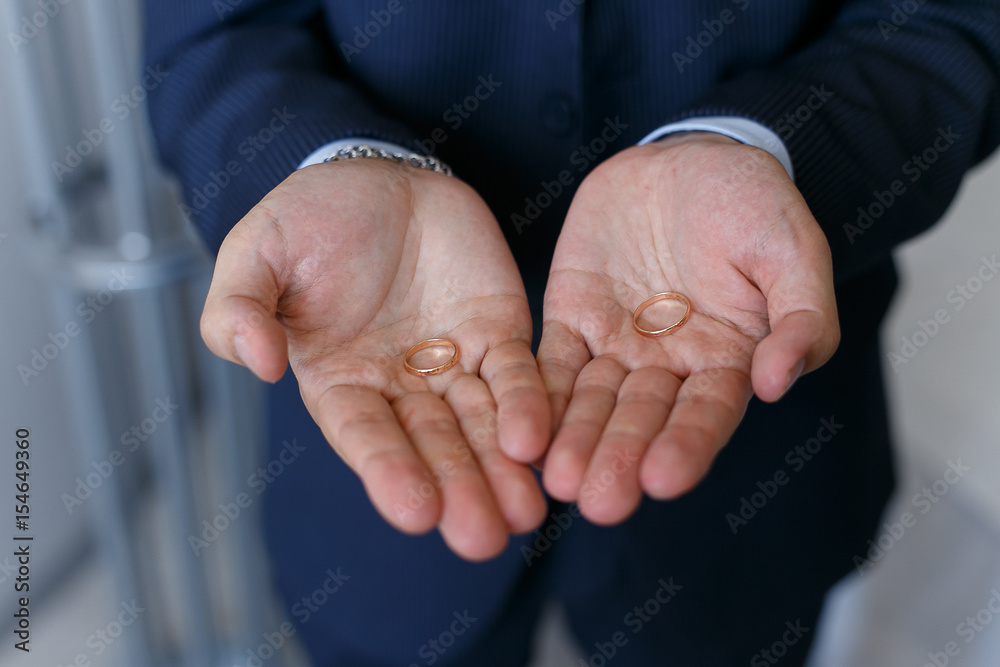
(882, 116)
(249, 90)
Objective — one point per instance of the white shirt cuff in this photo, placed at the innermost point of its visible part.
(325, 151)
(741, 129)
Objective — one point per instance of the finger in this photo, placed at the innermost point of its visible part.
(471, 523)
(562, 354)
(511, 373)
(799, 342)
(238, 322)
(611, 491)
(592, 402)
(802, 312)
(365, 433)
(708, 408)
(513, 485)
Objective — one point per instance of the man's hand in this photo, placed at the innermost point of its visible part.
(721, 223)
(339, 270)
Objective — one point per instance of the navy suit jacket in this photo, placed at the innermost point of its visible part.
(858, 91)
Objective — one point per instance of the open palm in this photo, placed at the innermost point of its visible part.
(722, 224)
(338, 271)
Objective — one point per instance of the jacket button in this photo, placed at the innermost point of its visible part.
(558, 114)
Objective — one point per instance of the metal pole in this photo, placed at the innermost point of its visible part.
(124, 164)
(43, 194)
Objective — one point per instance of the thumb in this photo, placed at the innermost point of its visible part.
(238, 322)
(802, 311)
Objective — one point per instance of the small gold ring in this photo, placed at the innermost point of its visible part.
(423, 345)
(662, 296)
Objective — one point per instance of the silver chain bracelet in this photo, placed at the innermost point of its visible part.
(413, 159)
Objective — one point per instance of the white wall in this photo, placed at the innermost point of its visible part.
(945, 404)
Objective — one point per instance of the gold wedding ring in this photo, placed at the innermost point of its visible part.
(423, 345)
(662, 296)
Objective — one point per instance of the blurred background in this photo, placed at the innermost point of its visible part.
(140, 440)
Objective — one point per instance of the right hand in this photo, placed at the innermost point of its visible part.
(339, 270)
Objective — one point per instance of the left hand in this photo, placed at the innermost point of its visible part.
(722, 223)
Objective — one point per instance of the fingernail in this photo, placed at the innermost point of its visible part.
(793, 375)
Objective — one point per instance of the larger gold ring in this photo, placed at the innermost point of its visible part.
(423, 345)
(662, 296)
